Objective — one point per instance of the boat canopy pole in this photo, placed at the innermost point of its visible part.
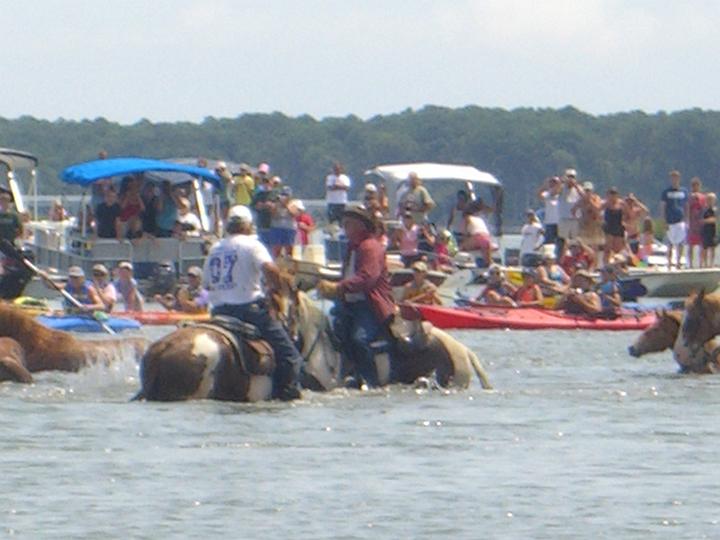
(200, 202)
(34, 188)
(15, 190)
(84, 212)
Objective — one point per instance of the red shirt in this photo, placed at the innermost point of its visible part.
(306, 219)
(371, 276)
(570, 264)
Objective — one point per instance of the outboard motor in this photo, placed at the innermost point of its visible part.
(164, 279)
(15, 275)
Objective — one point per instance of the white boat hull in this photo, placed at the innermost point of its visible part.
(677, 283)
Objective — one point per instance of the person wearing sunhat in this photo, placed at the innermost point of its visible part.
(233, 276)
(190, 298)
(104, 287)
(365, 304)
(83, 291)
(127, 287)
(421, 290)
(581, 299)
(498, 290)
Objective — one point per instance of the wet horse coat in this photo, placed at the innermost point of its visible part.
(665, 334)
(198, 362)
(43, 349)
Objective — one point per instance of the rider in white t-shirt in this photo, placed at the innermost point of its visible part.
(233, 275)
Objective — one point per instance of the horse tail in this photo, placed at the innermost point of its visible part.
(479, 370)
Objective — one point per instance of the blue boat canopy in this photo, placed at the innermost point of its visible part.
(157, 170)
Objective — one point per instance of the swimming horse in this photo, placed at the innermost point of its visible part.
(26, 347)
(665, 334)
(207, 361)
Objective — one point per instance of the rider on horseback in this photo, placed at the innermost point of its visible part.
(365, 304)
(232, 275)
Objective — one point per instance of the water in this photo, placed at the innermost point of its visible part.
(577, 441)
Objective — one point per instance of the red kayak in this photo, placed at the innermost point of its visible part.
(527, 318)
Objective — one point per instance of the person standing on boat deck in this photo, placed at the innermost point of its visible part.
(613, 224)
(549, 194)
(406, 239)
(696, 208)
(337, 185)
(709, 232)
(591, 218)
(462, 200)
(149, 215)
(283, 227)
(305, 223)
(83, 291)
(243, 186)
(166, 208)
(263, 203)
(104, 287)
(365, 305)
(127, 288)
(568, 214)
(635, 212)
(674, 210)
(415, 198)
(107, 215)
(532, 239)
(233, 275)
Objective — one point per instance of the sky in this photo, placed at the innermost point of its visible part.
(185, 60)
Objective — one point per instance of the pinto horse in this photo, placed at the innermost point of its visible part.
(665, 333)
(26, 346)
(201, 362)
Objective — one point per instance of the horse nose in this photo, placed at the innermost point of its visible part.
(632, 351)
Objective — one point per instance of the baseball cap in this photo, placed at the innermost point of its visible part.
(588, 186)
(195, 271)
(240, 213)
(300, 205)
(127, 265)
(371, 187)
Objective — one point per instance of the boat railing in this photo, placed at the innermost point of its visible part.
(145, 254)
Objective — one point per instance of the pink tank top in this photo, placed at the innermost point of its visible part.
(409, 240)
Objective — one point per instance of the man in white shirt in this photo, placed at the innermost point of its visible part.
(337, 185)
(233, 273)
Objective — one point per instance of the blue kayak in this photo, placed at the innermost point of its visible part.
(76, 323)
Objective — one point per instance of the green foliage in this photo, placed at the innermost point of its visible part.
(633, 151)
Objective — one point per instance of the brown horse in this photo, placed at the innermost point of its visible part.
(702, 319)
(33, 347)
(199, 362)
(665, 334)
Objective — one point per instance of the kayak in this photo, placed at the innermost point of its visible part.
(161, 317)
(527, 318)
(78, 323)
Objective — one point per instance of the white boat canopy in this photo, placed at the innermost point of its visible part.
(17, 159)
(434, 171)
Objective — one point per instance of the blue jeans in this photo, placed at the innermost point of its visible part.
(287, 359)
(357, 327)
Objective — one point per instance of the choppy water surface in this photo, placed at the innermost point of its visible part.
(577, 440)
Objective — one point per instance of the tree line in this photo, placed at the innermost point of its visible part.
(633, 151)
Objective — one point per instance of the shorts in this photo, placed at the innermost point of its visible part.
(708, 237)
(677, 233)
(478, 241)
(551, 233)
(568, 229)
(280, 236)
(335, 212)
(265, 237)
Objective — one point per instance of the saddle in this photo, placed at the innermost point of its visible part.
(254, 354)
